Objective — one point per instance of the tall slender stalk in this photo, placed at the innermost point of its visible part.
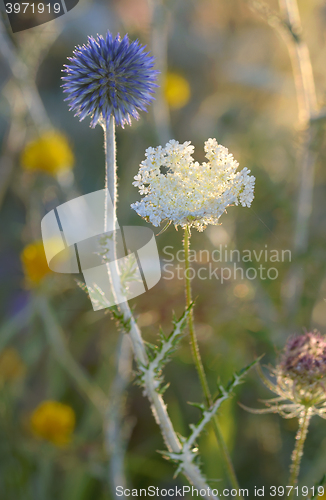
(290, 29)
(159, 409)
(113, 420)
(200, 368)
(298, 449)
(110, 171)
(193, 338)
(161, 15)
(307, 108)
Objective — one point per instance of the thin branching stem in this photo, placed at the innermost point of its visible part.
(307, 108)
(288, 25)
(297, 454)
(200, 368)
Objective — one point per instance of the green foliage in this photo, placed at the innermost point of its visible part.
(240, 95)
(189, 447)
(160, 355)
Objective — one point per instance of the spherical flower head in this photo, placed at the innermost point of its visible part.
(181, 191)
(54, 422)
(34, 263)
(110, 76)
(176, 90)
(302, 367)
(50, 153)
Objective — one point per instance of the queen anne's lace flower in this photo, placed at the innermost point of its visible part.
(180, 190)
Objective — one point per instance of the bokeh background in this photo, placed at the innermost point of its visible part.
(225, 73)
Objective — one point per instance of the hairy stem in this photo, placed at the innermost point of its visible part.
(159, 409)
(113, 421)
(298, 449)
(199, 366)
(193, 338)
(110, 171)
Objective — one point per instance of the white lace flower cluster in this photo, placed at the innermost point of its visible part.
(180, 190)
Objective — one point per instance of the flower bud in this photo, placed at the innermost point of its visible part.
(302, 367)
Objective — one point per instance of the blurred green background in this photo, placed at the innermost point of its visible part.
(225, 73)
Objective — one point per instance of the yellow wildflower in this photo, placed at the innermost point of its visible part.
(54, 422)
(34, 262)
(11, 365)
(176, 90)
(50, 153)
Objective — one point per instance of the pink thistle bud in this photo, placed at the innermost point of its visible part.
(303, 366)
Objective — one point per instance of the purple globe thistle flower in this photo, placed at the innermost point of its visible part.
(110, 76)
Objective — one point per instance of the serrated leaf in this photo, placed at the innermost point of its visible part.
(197, 405)
(161, 390)
(238, 377)
(160, 355)
(118, 316)
(151, 346)
(208, 414)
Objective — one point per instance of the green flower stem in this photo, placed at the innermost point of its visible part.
(297, 454)
(200, 369)
(194, 343)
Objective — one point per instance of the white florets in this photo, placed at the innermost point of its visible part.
(187, 193)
